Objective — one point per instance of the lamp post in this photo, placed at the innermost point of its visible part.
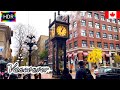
(31, 43)
(20, 58)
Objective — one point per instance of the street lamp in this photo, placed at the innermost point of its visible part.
(31, 42)
(20, 58)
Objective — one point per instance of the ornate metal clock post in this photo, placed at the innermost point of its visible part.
(58, 34)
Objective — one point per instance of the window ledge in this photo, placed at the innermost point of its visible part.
(91, 37)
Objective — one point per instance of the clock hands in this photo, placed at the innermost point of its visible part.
(62, 29)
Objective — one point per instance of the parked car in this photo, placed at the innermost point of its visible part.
(108, 72)
(96, 70)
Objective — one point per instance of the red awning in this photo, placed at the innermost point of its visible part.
(75, 54)
(69, 55)
(107, 55)
(85, 53)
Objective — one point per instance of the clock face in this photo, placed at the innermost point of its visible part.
(61, 30)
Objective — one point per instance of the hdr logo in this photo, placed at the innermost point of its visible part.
(8, 16)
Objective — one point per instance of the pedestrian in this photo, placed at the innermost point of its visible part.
(19, 75)
(26, 76)
(13, 76)
(89, 75)
(39, 75)
(6, 75)
(36, 76)
(66, 74)
(81, 73)
(1, 76)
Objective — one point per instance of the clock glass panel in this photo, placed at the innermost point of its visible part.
(61, 30)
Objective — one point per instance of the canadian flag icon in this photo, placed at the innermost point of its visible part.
(112, 14)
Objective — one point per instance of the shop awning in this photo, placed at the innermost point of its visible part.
(75, 54)
(85, 53)
(107, 55)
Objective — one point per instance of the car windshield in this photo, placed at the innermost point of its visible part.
(101, 70)
(107, 70)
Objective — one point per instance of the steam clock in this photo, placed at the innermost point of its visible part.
(58, 34)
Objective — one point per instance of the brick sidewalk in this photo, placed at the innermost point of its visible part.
(49, 76)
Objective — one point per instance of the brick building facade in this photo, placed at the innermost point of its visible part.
(5, 40)
(90, 29)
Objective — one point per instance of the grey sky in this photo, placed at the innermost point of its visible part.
(37, 19)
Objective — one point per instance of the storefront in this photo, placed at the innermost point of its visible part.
(72, 60)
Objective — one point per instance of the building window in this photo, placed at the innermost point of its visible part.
(111, 46)
(89, 14)
(99, 44)
(114, 20)
(91, 34)
(83, 23)
(70, 27)
(109, 28)
(96, 16)
(91, 43)
(97, 25)
(105, 45)
(110, 36)
(108, 20)
(70, 35)
(118, 21)
(75, 34)
(83, 33)
(103, 27)
(90, 24)
(70, 45)
(117, 46)
(84, 43)
(115, 29)
(102, 18)
(74, 24)
(104, 35)
(98, 35)
(82, 13)
(116, 37)
(75, 44)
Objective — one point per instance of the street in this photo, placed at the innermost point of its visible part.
(49, 76)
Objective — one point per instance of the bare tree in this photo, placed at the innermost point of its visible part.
(21, 32)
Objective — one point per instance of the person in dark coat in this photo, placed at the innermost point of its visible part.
(36, 76)
(26, 76)
(66, 74)
(13, 76)
(81, 73)
(89, 75)
(6, 75)
(1, 76)
(39, 75)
